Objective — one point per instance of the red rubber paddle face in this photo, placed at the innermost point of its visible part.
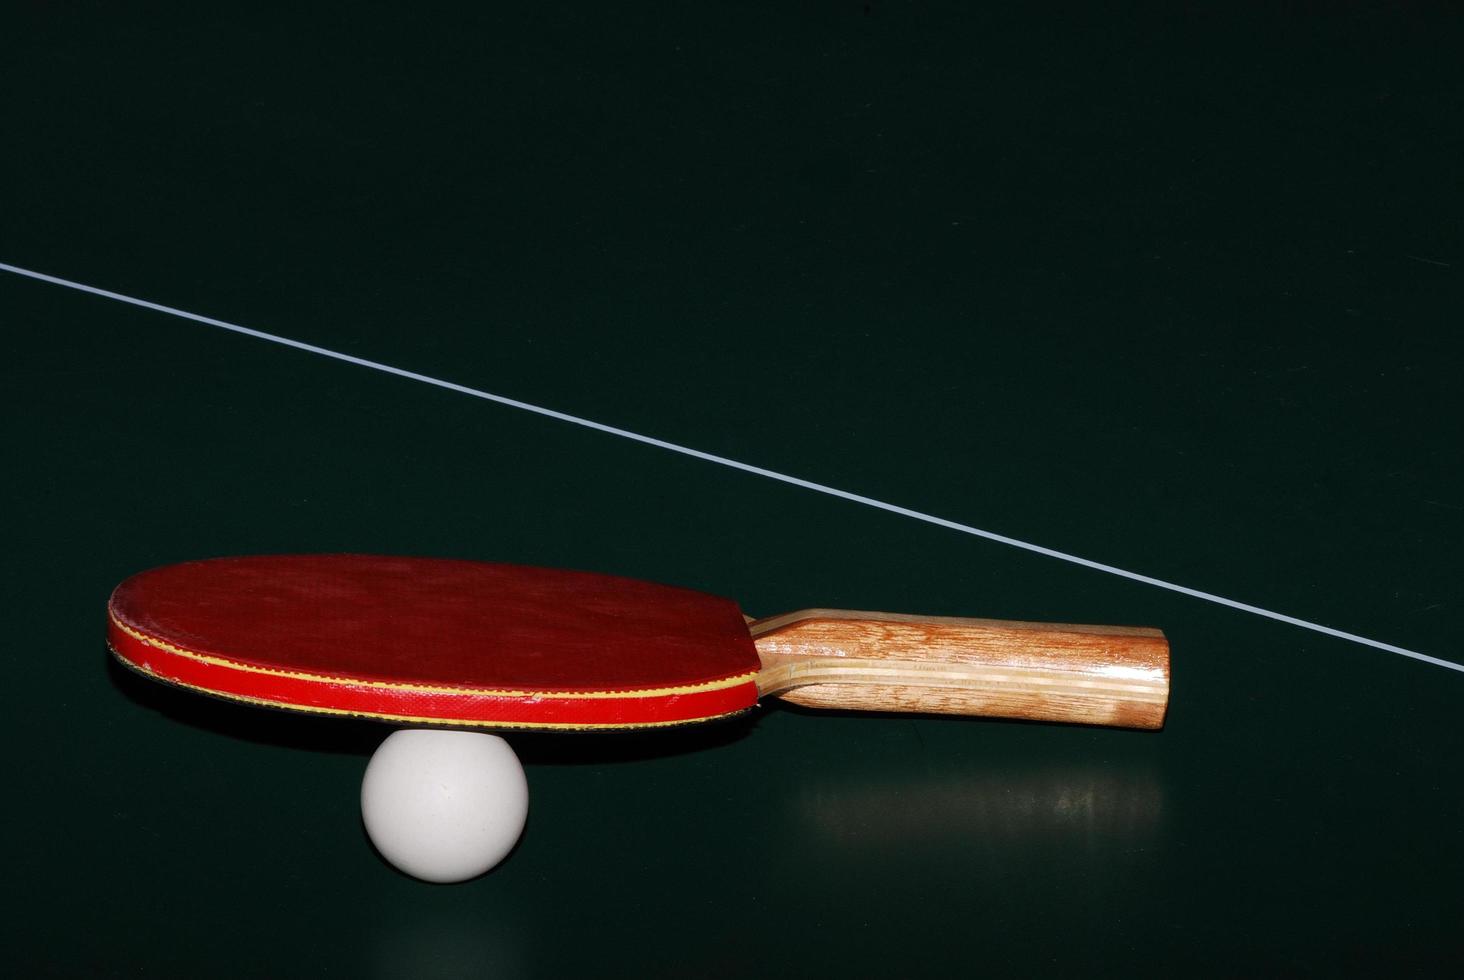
(435, 641)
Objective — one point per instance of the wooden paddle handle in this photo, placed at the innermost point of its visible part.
(867, 661)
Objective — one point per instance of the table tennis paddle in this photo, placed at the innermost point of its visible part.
(424, 641)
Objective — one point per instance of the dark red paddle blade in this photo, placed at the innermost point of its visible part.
(436, 641)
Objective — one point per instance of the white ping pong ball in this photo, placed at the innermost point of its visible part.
(444, 806)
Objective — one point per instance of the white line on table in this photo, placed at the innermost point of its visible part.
(737, 465)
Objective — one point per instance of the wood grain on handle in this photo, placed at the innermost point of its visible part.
(868, 661)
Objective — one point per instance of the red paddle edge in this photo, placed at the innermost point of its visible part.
(420, 704)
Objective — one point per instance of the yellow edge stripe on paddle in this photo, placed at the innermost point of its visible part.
(412, 719)
(652, 692)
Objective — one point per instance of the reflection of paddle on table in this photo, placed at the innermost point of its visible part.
(459, 644)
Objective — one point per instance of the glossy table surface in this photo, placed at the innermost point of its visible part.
(1175, 290)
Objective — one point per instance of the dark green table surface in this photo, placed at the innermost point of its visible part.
(1176, 288)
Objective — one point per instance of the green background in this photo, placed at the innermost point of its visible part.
(1173, 287)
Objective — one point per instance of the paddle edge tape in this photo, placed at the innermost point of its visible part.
(421, 704)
